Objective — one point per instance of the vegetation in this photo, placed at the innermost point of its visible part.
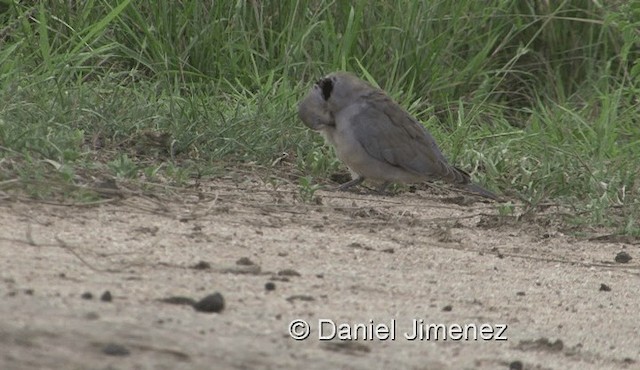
(538, 99)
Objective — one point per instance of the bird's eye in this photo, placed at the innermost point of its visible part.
(327, 87)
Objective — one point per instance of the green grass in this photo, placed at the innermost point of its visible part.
(538, 99)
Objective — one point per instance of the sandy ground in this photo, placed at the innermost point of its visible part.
(547, 300)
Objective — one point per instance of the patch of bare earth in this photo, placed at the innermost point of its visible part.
(116, 286)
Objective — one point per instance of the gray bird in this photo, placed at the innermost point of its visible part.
(375, 137)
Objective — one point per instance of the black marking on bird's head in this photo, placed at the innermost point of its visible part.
(326, 85)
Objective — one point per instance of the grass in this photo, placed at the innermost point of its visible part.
(538, 99)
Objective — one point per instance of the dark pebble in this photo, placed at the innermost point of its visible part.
(622, 257)
(211, 303)
(447, 308)
(288, 272)
(604, 287)
(114, 349)
(86, 295)
(516, 365)
(202, 265)
(106, 296)
(244, 261)
(269, 286)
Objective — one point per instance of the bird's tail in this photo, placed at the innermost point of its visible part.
(479, 190)
(463, 179)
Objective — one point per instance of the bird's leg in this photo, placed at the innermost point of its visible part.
(357, 181)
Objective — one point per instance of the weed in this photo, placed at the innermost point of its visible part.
(538, 100)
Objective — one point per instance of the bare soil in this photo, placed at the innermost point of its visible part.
(354, 258)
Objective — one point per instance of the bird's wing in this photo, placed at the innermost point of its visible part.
(388, 133)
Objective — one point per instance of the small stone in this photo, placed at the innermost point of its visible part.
(447, 308)
(86, 295)
(516, 365)
(106, 296)
(622, 257)
(202, 265)
(269, 286)
(288, 272)
(244, 261)
(211, 303)
(604, 287)
(114, 349)
(520, 293)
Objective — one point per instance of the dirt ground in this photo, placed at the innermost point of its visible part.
(548, 299)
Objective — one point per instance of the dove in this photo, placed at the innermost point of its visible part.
(375, 137)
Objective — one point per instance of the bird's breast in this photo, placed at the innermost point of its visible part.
(343, 138)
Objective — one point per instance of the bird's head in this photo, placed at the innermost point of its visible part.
(341, 89)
